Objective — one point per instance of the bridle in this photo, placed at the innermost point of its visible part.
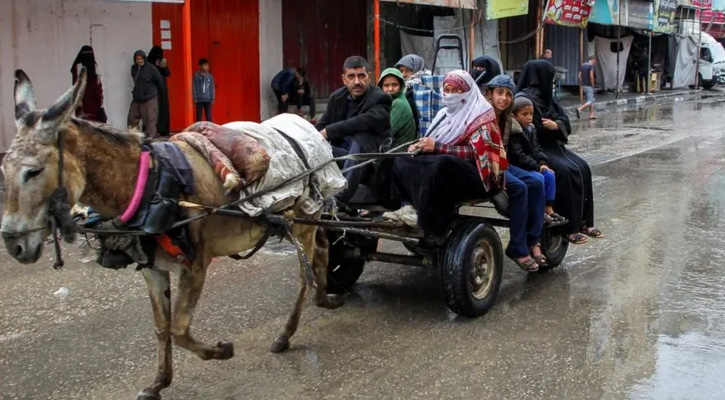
(59, 214)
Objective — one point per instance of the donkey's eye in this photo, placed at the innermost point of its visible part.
(32, 174)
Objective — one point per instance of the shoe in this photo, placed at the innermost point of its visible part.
(392, 216)
(409, 216)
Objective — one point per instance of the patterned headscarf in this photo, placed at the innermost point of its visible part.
(469, 119)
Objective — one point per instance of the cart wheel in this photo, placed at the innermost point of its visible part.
(554, 248)
(347, 260)
(471, 268)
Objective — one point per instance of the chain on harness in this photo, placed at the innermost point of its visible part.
(61, 222)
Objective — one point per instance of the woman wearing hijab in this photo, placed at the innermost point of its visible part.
(464, 160)
(156, 58)
(91, 107)
(484, 69)
(574, 194)
(412, 67)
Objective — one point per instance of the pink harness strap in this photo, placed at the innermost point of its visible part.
(143, 176)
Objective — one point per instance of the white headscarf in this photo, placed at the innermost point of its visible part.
(461, 109)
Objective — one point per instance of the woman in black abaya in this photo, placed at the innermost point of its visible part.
(156, 58)
(484, 69)
(574, 195)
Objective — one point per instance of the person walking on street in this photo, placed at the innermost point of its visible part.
(147, 83)
(586, 81)
(156, 58)
(203, 90)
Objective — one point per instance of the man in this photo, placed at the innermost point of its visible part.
(285, 86)
(357, 119)
(147, 83)
(586, 81)
(548, 54)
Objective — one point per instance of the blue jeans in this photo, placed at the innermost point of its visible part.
(549, 187)
(526, 206)
(353, 177)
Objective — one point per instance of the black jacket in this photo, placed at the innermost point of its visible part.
(524, 150)
(369, 128)
(147, 81)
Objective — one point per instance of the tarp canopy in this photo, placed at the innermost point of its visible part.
(607, 60)
(470, 4)
(685, 61)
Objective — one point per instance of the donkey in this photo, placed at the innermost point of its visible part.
(99, 168)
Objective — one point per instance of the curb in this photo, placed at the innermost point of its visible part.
(647, 99)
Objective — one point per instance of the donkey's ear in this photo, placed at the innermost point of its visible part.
(61, 110)
(24, 95)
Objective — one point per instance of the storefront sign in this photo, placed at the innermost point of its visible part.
(496, 9)
(637, 14)
(712, 17)
(470, 4)
(568, 12)
(664, 21)
(704, 4)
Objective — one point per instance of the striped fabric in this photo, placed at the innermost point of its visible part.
(427, 96)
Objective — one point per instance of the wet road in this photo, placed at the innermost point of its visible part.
(636, 315)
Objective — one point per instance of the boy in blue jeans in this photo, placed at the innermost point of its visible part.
(524, 152)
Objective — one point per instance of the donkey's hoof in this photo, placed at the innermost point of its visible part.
(280, 344)
(226, 350)
(331, 302)
(144, 395)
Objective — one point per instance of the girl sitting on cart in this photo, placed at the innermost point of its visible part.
(465, 161)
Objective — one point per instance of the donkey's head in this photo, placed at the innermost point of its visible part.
(31, 168)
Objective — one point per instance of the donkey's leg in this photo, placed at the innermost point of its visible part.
(191, 284)
(160, 293)
(321, 248)
(282, 342)
(306, 235)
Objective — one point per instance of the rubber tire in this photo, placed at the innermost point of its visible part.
(707, 85)
(554, 257)
(344, 270)
(455, 268)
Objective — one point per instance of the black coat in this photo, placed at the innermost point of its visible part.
(524, 150)
(369, 128)
(147, 82)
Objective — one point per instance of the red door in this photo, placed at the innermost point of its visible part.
(227, 33)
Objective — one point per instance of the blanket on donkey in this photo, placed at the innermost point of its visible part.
(236, 157)
(271, 152)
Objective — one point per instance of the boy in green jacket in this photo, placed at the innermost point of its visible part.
(402, 124)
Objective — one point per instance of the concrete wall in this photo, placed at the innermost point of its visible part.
(270, 53)
(43, 37)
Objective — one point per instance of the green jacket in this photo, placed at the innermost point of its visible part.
(402, 124)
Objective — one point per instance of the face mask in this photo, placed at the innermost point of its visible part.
(453, 101)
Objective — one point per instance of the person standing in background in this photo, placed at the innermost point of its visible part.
(147, 83)
(156, 58)
(91, 107)
(204, 92)
(302, 94)
(586, 80)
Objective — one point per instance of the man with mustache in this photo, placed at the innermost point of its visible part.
(357, 120)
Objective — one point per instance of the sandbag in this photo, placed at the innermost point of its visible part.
(248, 157)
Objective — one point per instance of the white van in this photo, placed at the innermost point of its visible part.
(712, 62)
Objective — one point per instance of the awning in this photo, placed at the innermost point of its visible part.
(470, 4)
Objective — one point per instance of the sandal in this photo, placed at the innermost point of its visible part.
(593, 232)
(528, 265)
(539, 258)
(549, 219)
(576, 238)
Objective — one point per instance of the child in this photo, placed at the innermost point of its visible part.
(524, 152)
(203, 90)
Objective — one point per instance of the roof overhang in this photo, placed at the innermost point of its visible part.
(470, 4)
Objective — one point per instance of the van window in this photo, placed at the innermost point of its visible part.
(705, 54)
